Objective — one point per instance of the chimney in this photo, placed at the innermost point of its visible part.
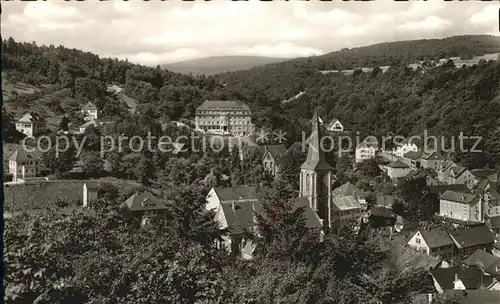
(463, 197)
(233, 206)
(456, 277)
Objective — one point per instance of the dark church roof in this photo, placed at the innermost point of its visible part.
(315, 155)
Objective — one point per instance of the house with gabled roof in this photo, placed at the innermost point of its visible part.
(396, 170)
(440, 189)
(335, 125)
(271, 156)
(470, 239)
(460, 278)
(435, 242)
(26, 163)
(365, 150)
(348, 189)
(146, 206)
(414, 174)
(31, 124)
(466, 207)
(412, 159)
(236, 209)
(404, 147)
(89, 111)
(431, 159)
(443, 171)
(489, 263)
(460, 175)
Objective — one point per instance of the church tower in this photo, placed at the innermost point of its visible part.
(316, 174)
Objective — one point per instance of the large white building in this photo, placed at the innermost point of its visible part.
(464, 207)
(224, 117)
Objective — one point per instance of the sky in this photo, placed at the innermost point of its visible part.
(154, 33)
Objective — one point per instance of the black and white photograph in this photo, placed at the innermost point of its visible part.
(250, 152)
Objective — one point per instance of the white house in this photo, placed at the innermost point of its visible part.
(31, 124)
(366, 150)
(25, 164)
(396, 169)
(405, 147)
(90, 111)
(433, 242)
(335, 125)
(89, 193)
(236, 209)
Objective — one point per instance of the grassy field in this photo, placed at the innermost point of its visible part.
(43, 195)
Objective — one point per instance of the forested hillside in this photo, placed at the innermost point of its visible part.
(220, 64)
(443, 100)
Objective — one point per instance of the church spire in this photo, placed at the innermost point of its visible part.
(315, 155)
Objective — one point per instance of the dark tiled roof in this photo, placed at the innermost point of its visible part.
(459, 197)
(347, 189)
(480, 255)
(89, 106)
(143, 202)
(345, 202)
(385, 200)
(412, 174)
(446, 164)
(483, 173)
(470, 277)
(30, 117)
(474, 236)
(236, 193)
(412, 155)
(214, 105)
(436, 238)
(312, 219)
(21, 155)
(457, 170)
(482, 185)
(316, 159)
(432, 155)
(397, 164)
(240, 215)
(276, 150)
(495, 222)
(382, 212)
(440, 189)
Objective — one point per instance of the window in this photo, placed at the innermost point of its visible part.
(308, 181)
(417, 240)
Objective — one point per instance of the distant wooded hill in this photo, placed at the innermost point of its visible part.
(220, 64)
